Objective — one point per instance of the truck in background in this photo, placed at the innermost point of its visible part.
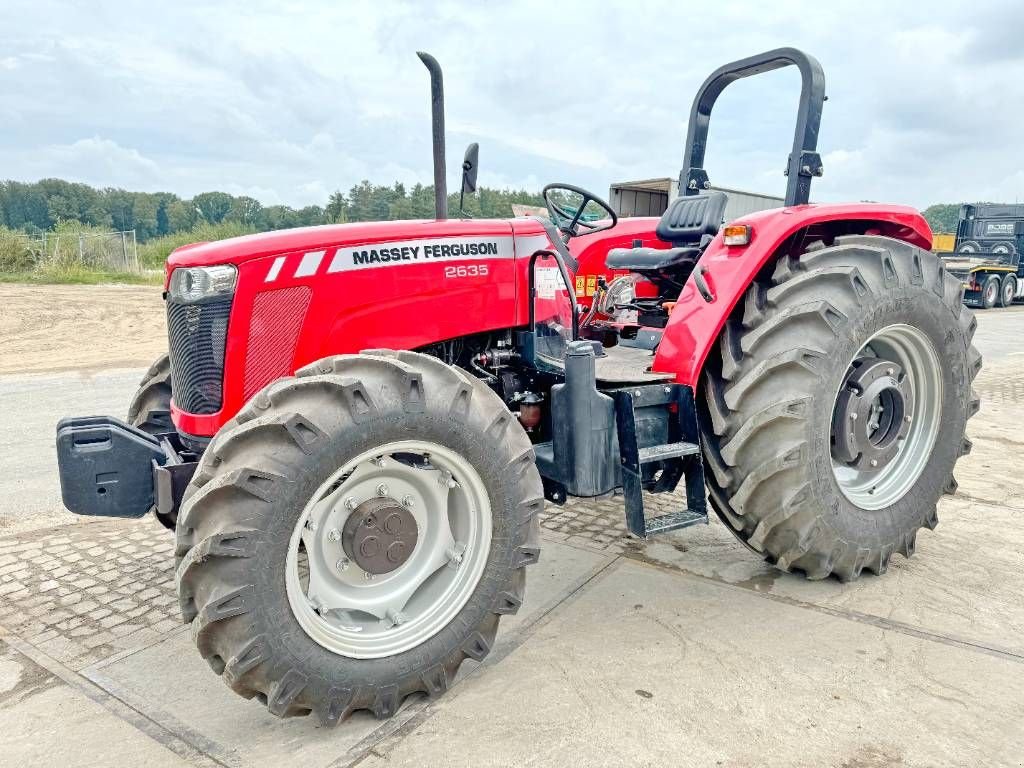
(986, 254)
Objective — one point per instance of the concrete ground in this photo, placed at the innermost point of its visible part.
(684, 650)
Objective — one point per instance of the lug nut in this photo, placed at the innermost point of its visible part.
(368, 576)
(350, 503)
(379, 461)
(334, 534)
(853, 417)
(407, 501)
(874, 462)
(342, 565)
(382, 490)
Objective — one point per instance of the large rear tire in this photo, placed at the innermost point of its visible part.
(865, 315)
(284, 601)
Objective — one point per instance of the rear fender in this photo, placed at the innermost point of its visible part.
(727, 271)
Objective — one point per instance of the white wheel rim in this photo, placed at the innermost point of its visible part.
(359, 615)
(915, 354)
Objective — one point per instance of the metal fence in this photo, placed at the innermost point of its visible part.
(107, 251)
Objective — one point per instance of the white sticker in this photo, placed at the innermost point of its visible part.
(548, 282)
(395, 254)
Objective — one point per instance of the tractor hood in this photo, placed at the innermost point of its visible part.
(238, 250)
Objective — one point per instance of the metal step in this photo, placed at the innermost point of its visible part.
(673, 521)
(667, 451)
(680, 456)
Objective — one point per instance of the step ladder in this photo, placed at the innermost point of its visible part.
(679, 456)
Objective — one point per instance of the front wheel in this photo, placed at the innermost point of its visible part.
(836, 410)
(355, 534)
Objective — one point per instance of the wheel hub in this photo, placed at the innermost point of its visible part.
(379, 535)
(872, 415)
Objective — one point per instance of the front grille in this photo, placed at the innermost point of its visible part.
(198, 334)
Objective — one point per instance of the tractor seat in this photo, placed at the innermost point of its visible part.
(650, 259)
(689, 223)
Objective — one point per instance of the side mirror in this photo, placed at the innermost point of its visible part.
(469, 168)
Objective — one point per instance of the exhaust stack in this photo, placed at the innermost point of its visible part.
(437, 127)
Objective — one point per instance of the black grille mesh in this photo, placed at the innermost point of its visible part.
(198, 334)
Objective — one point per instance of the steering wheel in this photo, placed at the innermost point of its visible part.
(560, 215)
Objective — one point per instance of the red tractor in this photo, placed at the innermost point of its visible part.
(357, 426)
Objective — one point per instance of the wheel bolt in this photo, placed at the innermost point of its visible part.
(407, 501)
(889, 371)
(342, 565)
(874, 462)
(906, 419)
(382, 490)
(350, 503)
(379, 461)
(334, 534)
(853, 417)
(368, 576)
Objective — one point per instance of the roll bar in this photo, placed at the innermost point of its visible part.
(804, 162)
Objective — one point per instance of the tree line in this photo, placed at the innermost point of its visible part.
(35, 207)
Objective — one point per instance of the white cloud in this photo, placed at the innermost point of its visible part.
(289, 101)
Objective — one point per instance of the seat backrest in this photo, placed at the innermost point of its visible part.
(689, 219)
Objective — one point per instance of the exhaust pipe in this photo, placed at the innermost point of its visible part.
(437, 127)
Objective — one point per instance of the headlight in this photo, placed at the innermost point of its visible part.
(191, 284)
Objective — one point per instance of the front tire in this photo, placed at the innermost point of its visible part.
(269, 472)
(150, 407)
(150, 411)
(825, 323)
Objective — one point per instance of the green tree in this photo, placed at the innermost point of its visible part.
(942, 217)
(213, 206)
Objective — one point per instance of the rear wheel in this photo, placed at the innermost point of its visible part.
(990, 292)
(836, 411)
(1007, 291)
(355, 534)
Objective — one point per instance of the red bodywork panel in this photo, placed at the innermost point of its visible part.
(304, 294)
(694, 324)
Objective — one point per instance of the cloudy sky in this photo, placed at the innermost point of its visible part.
(289, 100)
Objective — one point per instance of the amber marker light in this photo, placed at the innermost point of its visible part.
(736, 234)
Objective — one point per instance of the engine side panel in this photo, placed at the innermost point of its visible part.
(425, 283)
(695, 324)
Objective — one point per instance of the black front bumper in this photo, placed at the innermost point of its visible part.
(110, 469)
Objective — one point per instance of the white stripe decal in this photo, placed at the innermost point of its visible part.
(526, 245)
(447, 249)
(309, 264)
(275, 269)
